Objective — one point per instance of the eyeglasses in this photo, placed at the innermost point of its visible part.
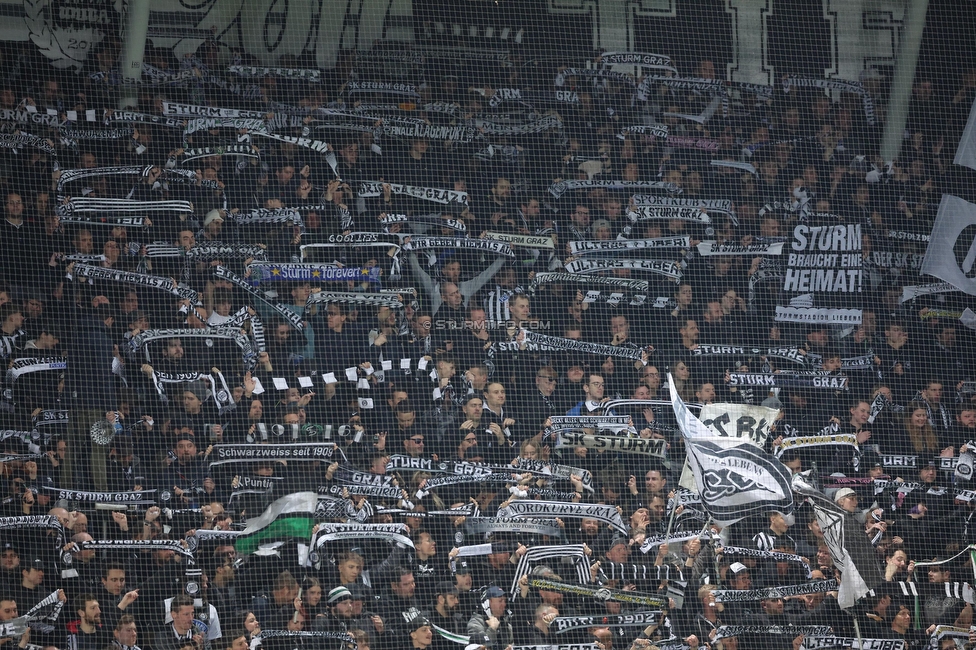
(598, 384)
(416, 441)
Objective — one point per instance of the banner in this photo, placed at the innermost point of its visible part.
(824, 259)
(743, 421)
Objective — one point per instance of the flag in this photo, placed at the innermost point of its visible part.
(966, 153)
(291, 516)
(734, 480)
(849, 547)
(951, 253)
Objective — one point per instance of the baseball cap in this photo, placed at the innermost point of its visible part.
(476, 641)
(338, 595)
(417, 622)
(495, 592)
(738, 567)
(213, 215)
(462, 568)
(446, 588)
(843, 492)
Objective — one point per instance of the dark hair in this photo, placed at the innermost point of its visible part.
(114, 566)
(180, 601)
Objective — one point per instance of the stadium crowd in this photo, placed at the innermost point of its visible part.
(414, 304)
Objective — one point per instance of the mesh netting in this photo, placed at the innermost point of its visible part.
(584, 325)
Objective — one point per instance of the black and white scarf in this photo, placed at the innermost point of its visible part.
(398, 533)
(244, 453)
(425, 219)
(665, 268)
(555, 471)
(564, 624)
(549, 509)
(653, 130)
(106, 222)
(387, 87)
(78, 205)
(28, 116)
(371, 189)
(311, 75)
(545, 342)
(484, 245)
(291, 317)
(195, 111)
(667, 213)
(362, 490)
(70, 175)
(141, 118)
(101, 273)
(721, 206)
(224, 251)
(822, 642)
(306, 272)
(694, 84)
(27, 365)
(268, 216)
(246, 150)
(600, 593)
(855, 87)
(789, 380)
(601, 246)
(20, 140)
(792, 631)
(235, 123)
(641, 571)
(640, 286)
(654, 447)
(789, 354)
(137, 497)
(453, 133)
(540, 125)
(713, 247)
(560, 188)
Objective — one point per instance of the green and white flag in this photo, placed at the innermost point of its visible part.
(291, 516)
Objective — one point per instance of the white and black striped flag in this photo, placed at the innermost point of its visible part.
(734, 480)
